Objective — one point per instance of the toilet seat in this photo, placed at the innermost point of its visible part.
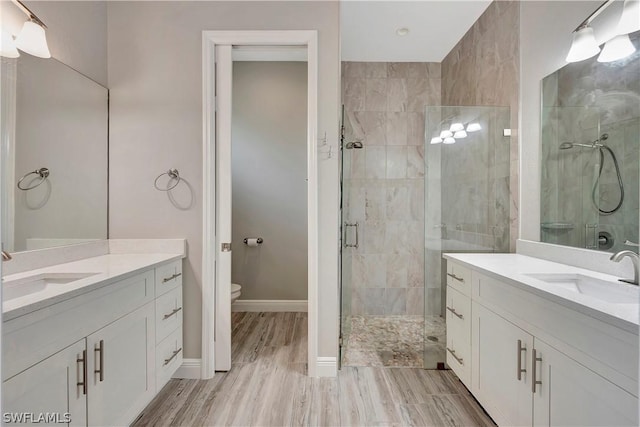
(235, 292)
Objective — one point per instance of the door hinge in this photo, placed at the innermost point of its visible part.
(340, 341)
(225, 247)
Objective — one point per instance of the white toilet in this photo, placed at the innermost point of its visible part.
(235, 292)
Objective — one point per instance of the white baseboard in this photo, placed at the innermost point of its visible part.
(326, 366)
(269, 305)
(190, 370)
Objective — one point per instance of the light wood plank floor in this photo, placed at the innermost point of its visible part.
(267, 386)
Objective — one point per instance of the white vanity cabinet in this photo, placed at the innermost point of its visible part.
(499, 361)
(104, 368)
(55, 385)
(535, 362)
(570, 394)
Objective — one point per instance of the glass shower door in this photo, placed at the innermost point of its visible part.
(345, 255)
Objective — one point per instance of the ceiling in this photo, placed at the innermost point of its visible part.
(368, 28)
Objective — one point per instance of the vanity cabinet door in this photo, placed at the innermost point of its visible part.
(121, 368)
(49, 387)
(569, 394)
(499, 350)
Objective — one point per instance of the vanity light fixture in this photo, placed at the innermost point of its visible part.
(455, 127)
(584, 43)
(460, 134)
(630, 18)
(583, 46)
(449, 140)
(8, 46)
(473, 127)
(32, 38)
(617, 48)
(446, 134)
(436, 140)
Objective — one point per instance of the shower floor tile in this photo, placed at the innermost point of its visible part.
(396, 341)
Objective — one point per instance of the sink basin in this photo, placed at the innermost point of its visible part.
(614, 292)
(17, 288)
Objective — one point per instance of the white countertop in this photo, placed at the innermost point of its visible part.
(109, 268)
(512, 269)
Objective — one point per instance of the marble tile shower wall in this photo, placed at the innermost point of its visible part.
(482, 70)
(385, 109)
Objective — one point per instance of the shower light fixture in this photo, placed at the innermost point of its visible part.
(449, 140)
(617, 48)
(436, 140)
(446, 134)
(473, 127)
(455, 127)
(460, 134)
(31, 39)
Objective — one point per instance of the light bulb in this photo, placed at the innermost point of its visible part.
(473, 127)
(584, 45)
(449, 140)
(460, 134)
(33, 40)
(436, 140)
(455, 127)
(446, 134)
(617, 48)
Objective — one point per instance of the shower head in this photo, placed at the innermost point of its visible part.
(595, 144)
(566, 145)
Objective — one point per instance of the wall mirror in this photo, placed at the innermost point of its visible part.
(590, 154)
(54, 155)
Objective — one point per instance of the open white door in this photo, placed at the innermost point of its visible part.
(224, 67)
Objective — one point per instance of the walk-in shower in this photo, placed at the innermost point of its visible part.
(404, 202)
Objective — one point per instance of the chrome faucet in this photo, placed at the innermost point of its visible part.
(6, 256)
(617, 257)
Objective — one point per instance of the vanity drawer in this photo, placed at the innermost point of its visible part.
(168, 357)
(168, 277)
(168, 313)
(459, 277)
(459, 334)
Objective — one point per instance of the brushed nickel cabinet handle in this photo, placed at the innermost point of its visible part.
(455, 313)
(521, 349)
(535, 359)
(83, 383)
(453, 276)
(175, 353)
(170, 278)
(100, 351)
(453, 353)
(166, 316)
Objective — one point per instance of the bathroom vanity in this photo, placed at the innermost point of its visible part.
(95, 338)
(542, 343)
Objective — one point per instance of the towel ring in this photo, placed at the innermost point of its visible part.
(43, 173)
(172, 174)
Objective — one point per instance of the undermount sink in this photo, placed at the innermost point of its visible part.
(17, 288)
(614, 292)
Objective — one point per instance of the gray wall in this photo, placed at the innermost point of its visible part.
(269, 170)
(155, 82)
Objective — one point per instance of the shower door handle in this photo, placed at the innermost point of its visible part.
(593, 237)
(346, 233)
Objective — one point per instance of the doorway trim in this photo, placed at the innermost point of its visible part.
(210, 302)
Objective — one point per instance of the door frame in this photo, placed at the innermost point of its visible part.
(211, 303)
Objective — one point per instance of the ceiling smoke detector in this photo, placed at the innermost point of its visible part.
(402, 31)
